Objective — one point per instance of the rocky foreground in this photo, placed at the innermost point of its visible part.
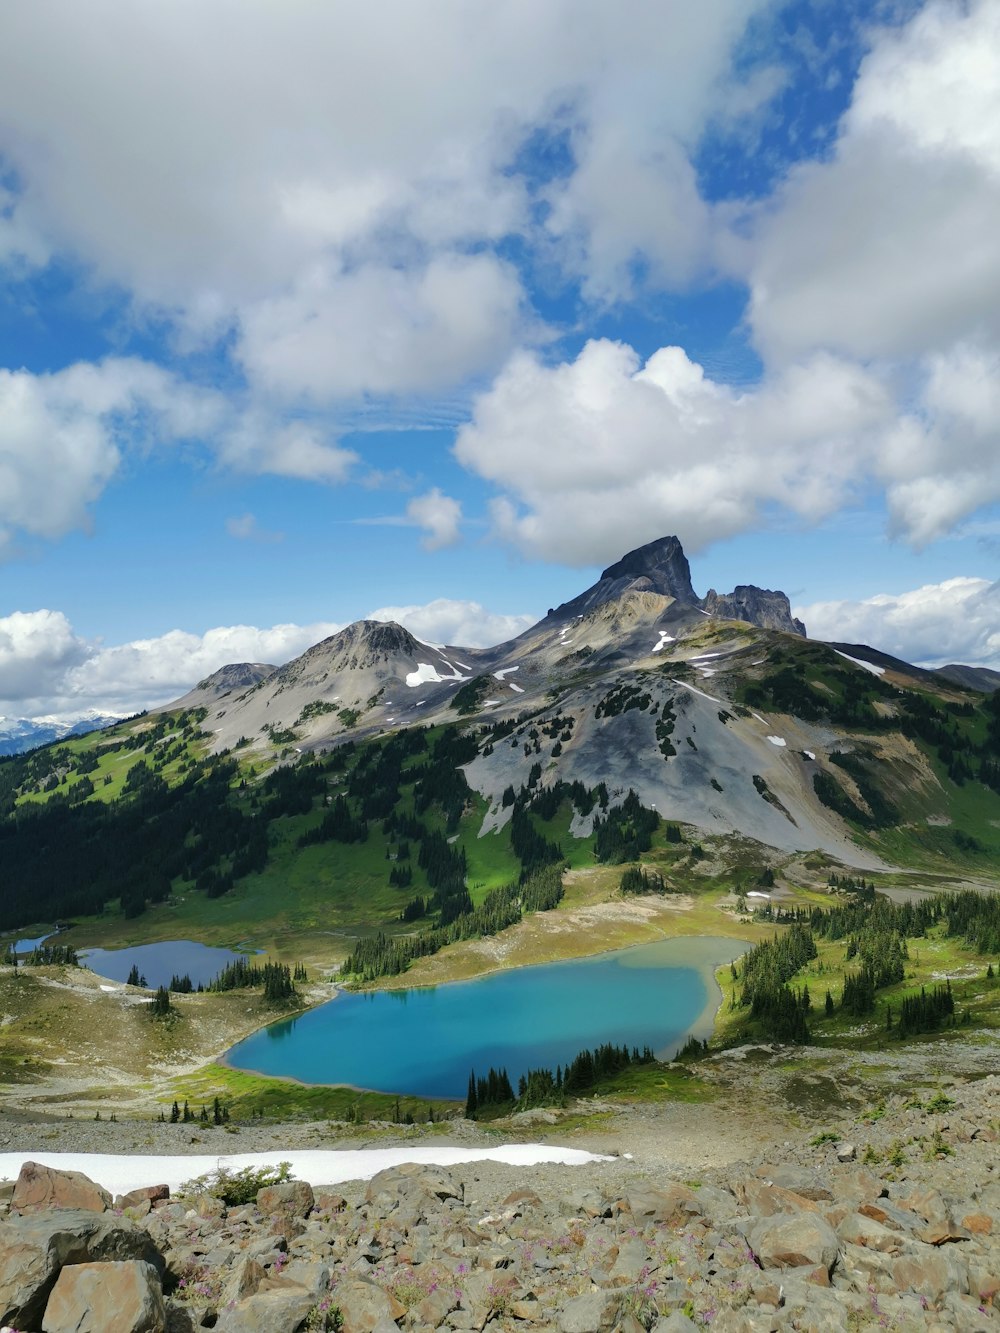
(898, 1229)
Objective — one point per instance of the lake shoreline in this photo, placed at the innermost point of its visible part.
(701, 955)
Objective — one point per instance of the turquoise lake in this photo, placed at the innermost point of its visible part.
(423, 1042)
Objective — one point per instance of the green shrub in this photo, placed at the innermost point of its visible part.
(237, 1187)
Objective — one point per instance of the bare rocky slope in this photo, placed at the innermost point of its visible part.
(895, 1225)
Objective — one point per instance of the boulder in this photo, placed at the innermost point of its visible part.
(151, 1194)
(363, 1306)
(419, 1187)
(268, 1312)
(593, 1312)
(290, 1198)
(106, 1298)
(800, 1240)
(34, 1248)
(798, 1179)
(765, 1200)
(39, 1188)
(670, 1204)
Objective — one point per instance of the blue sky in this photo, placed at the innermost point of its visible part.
(434, 311)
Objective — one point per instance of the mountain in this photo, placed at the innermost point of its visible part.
(754, 746)
(234, 676)
(18, 735)
(973, 678)
(717, 711)
(662, 567)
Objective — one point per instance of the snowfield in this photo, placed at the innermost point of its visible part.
(119, 1174)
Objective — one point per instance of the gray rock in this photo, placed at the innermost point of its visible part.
(794, 1241)
(268, 1312)
(364, 1306)
(593, 1312)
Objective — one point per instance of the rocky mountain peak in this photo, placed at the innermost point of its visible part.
(236, 676)
(757, 606)
(364, 643)
(663, 564)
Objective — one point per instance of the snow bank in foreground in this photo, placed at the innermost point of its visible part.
(317, 1166)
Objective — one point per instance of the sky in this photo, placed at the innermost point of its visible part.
(317, 311)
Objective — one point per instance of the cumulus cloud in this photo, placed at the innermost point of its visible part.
(888, 247)
(37, 649)
(259, 181)
(382, 330)
(61, 435)
(954, 621)
(603, 453)
(467, 624)
(439, 515)
(46, 669)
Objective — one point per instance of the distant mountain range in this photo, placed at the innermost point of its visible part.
(753, 744)
(18, 734)
(716, 710)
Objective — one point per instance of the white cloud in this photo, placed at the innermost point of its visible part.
(954, 621)
(47, 670)
(329, 188)
(127, 677)
(61, 435)
(383, 330)
(598, 455)
(465, 624)
(888, 249)
(439, 515)
(257, 441)
(37, 648)
(244, 527)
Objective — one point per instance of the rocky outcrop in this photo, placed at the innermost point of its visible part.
(755, 606)
(659, 567)
(662, 567)
(908, 1238)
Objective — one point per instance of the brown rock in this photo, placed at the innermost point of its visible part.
(34, 1248)
(764, 1199)
(979, 1224)
(38, 1188)
(860, 1230)
(857, 1185)
(800, 1180)
(106, 1298)
(932, 1274)
(151, 1194)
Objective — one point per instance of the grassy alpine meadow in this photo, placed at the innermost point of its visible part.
(932, 961)
(247, 1096)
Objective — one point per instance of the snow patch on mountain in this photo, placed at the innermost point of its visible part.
(858, 661)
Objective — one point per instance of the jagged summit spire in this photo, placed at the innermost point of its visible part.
(662, 567)
(663, 563)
